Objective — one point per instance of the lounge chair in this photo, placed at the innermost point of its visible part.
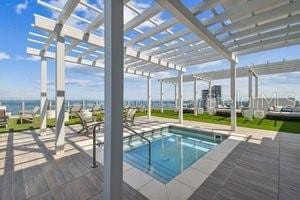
(3, 118)
(211, 110)
(87, 122)
(227, 112)
(248, 114)
(29, 115)
(74, 110)
(96, 109)
(130, 116)
(259, 114)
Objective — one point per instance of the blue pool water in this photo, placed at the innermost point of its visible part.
(172, 152)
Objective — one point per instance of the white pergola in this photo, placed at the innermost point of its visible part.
(209, 30)
(241, 72)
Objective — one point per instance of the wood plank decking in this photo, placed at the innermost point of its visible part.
(30, 170)
(267, 166)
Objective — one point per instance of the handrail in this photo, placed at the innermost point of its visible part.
(127, 127)
(143, 137)
(94, 144)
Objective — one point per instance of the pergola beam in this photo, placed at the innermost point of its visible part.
(75, 60)
(185, 16)
(94, 40)
(259, 70)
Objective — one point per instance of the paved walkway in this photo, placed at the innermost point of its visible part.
(29, 169)
(267, 166)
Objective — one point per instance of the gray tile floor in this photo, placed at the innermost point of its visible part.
(267, 166)
(29, 169)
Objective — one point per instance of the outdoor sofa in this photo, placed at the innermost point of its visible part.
(283, 113)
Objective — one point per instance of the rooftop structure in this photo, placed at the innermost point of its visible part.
(186, 36)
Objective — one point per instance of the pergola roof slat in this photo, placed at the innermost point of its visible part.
(94, 40)
(241, 27)
(260, 70)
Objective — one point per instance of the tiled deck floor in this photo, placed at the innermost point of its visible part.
(267, 166)
(30, 170)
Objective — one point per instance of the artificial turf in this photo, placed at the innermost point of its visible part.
(14, 124)
(265, 124)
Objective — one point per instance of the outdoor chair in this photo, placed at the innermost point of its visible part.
(29, 115)
(248, 114)
(130, 116)
(3, 118)
(96, 109)
(259, 114)
(74, 110)
(211, 111)
(87, 122)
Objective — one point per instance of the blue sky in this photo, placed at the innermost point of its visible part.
(19, 76)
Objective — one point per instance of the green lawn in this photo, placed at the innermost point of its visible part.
(14, 125)
(266, 124)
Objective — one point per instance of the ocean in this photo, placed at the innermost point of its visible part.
(15, 106)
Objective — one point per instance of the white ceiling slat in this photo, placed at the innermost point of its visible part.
(62, 18)
(260, 70)
(269, 41)
(164, 40)
(94, 40)
(240, 9)
(141, 18)
(275, 13)
(248, 22)
(254, 26)
(264, 27)
(70, 59)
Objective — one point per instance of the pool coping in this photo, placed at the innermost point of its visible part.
(185, 183)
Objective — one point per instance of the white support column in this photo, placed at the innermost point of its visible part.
(43, 100)
(161, 97)
(209, 94)
(175, 96)
(113, 103)
(256, 92)
(60, 94)
(195, 97)
(256, 87)
(250, 92)
(180, 96)
(233, 96)
(149, 97)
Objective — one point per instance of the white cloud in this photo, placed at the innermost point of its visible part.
(4, 56)
(210, 66)
(164, 74)
(30, 58)
(21, 7)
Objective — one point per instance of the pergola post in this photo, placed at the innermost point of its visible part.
(60, 94)
(161, 97)
(149, 97)
(43, 100)
(209, 94)
(113, 95)
(250, 92)
(256, 92)
(180, 95)
(195, 97)
(233, 96)
(256, 87)
(175, 96)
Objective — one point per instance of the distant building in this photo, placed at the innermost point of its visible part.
(216, 93)
(204, 99)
